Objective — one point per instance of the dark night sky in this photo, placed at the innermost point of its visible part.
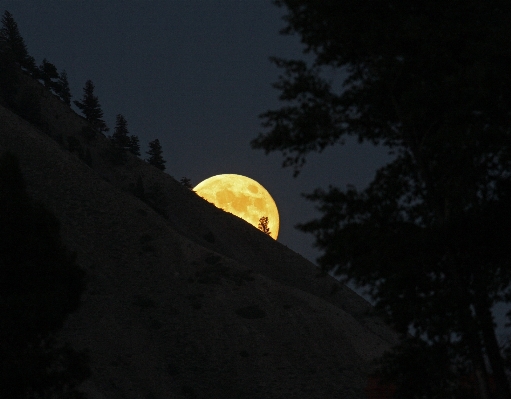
(195, 74)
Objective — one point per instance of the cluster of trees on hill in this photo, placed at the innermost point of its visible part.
(14, 56)
(40, 282)
(430, 236)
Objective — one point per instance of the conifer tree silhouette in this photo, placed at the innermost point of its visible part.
(185, 181)
(263, 225)
(120, 137)
(134, 145)
(62, 88)
(40, 285)
(90, 107)
(154, 153)
(48, 72)
(9, 34)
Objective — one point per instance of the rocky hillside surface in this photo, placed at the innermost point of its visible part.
(184, 300)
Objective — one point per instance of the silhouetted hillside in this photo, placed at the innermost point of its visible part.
(184, 300)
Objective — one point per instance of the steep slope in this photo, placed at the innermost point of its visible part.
(189, 301)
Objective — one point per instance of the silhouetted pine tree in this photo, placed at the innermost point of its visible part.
(47, 72)
(134, 145)
(40, 285)
(11, 36)
(120, 137)
(154, 153)
(185, 181)
(263, 225)
(62, 88)
(90, 107)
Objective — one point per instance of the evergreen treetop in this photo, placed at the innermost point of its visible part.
(155, 155)
(185, 181)
(120, 137)
(62, 88)
(9, 34)
(48, 72)
(134, 145)
(90, 107)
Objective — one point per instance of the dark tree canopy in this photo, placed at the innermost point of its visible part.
(155, 155)
(62, 88)
(49, 74)
(40, 285)
(90, 107)
(185, 181)
(429, 235)
(120, 137)
(10, 35)
(134, 145)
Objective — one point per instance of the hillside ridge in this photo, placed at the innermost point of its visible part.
(187, 300)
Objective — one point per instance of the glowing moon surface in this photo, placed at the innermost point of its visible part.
(242, 197)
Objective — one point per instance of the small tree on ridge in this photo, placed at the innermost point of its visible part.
(120, 137)
(61, 88)
(90, 107)
(134, 145)
(155, 157)
(263, 225)
(47, 72)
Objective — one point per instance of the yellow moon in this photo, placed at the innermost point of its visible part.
(242, 197)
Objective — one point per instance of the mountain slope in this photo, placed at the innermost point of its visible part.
(188, 301)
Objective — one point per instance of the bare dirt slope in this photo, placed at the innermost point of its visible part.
(188, 301)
